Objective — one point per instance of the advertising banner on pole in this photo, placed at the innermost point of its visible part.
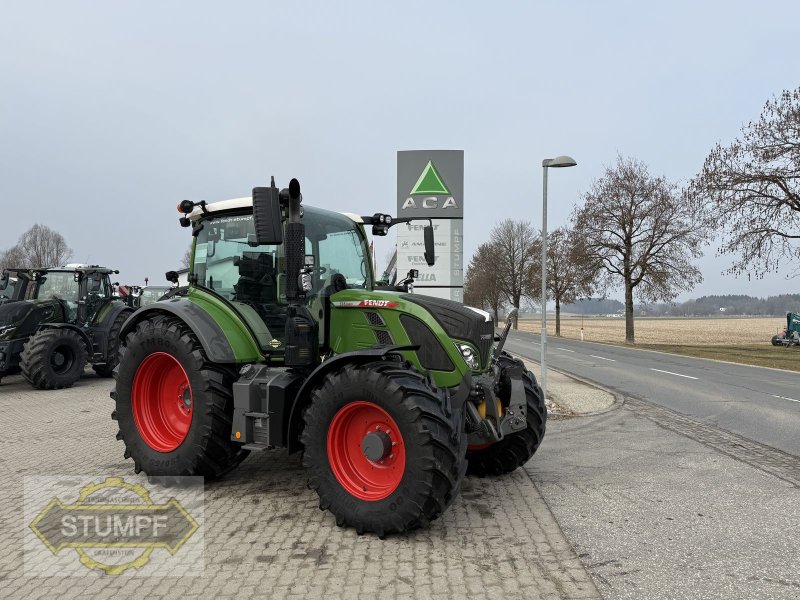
(430, 185)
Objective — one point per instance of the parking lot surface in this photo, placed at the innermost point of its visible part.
(264, 533)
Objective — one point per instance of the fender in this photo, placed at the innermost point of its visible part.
(208, 332)
(80, 332)
(303, 395)
(114, 312)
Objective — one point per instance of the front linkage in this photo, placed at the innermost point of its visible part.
(506, 414)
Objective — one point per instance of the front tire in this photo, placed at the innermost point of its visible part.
(53, 359)
(516, 449)
(384, 451)
(173, 407)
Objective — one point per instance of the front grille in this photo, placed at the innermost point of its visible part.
(486, 340)
(384, 337)
(431, 354)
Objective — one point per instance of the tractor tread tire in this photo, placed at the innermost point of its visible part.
(516, 449)
(34, 361)
(432, 434)
(106, 369)
(207, 450)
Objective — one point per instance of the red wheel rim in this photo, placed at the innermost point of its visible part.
(363, 478)
(162, 402)
(479, 446)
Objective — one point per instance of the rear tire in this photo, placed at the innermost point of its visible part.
(53, 359)
(183, 431)
(423, 447)
(516, 449)
(112, 359)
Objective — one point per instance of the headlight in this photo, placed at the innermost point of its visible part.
(469, 356)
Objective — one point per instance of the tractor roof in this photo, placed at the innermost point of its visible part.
(247, 202)
(70, 268)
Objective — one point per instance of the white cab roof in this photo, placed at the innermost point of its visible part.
(246, 202)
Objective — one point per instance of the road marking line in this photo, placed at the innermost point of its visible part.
(676, 374)
(565, 350)
(602, 358)
(785, 398)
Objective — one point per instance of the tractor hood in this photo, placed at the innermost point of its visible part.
(20, 319)
(459, 322)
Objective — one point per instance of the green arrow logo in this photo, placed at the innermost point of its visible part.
(430, 182)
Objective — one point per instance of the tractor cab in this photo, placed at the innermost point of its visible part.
(252, 279)
(82, 290)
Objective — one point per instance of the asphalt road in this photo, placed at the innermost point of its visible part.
(757, 403)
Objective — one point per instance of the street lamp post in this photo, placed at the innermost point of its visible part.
(558, 162)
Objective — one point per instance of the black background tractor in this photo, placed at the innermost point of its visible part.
(61, 319)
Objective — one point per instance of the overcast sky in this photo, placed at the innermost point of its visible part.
(111, 113)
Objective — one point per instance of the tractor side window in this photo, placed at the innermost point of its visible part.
(246, 276)
(342, 252)
(223, 256)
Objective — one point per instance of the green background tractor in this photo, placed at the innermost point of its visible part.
(282, 339)
(790, 336)
(58, 321)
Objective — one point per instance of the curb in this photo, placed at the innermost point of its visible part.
(619, 399)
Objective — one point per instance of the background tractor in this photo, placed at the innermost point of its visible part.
(60, 319)
(282, 339)
(790, 336)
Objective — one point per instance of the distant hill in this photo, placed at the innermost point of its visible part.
(705, 306)
(733, 304)
(594, 306)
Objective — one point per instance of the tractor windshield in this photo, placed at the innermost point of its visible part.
(253, 278)
(58, 284)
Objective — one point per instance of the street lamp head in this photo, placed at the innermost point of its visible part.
(559, 161)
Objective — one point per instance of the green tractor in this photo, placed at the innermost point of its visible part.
(282, 339)
(57, 321)
(790, 336)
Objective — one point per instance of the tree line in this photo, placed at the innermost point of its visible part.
(641, 233)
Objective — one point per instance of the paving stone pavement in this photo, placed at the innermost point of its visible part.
(265, 535)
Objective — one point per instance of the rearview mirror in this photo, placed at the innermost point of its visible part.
(430, 257)
(266, 217)
(4, 280)
(172, 276)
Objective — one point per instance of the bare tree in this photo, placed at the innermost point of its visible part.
(40, 246)
(642, 233)
(572, 271)
(751, 190)
(187, 257)
(515, 245)
(482, 280)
